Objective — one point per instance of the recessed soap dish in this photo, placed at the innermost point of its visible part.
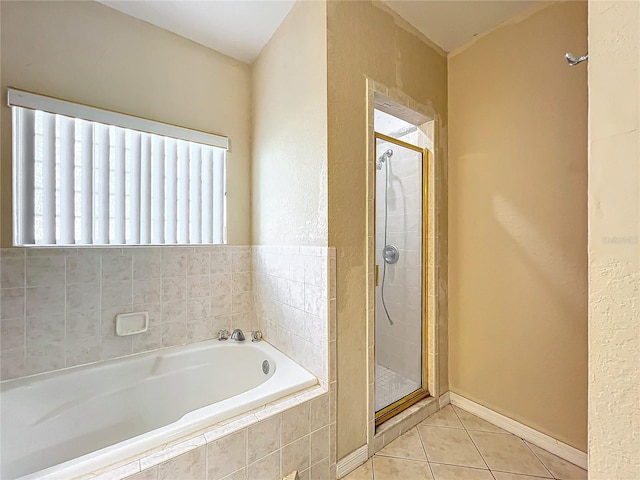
(131, 323)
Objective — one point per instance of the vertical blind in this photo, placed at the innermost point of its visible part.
(79, 181)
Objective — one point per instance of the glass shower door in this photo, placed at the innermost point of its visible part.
(400, 346)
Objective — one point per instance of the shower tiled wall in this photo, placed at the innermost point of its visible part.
(399, 346)
(58, 306)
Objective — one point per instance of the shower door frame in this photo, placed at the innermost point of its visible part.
(407, 401)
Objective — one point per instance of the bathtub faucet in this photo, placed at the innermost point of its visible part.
(237, 335)
(223, 335)
(256, 336)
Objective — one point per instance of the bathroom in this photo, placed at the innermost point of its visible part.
(300, 255)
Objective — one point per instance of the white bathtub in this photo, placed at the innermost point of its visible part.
(71, 422)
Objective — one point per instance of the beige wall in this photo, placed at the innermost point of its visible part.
(364, 40)
(88, 53)
(289, 192)
(518, 222)
(614, 232)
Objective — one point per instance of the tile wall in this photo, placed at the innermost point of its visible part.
(295, 303)
(58, 306)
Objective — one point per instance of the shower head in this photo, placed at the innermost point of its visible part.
(382, 158)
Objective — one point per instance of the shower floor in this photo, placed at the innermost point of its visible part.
(391, 386)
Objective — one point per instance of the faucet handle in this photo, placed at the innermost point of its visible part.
(223, 335)
(256, 335)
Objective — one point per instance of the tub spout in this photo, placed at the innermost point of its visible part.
(237, 335)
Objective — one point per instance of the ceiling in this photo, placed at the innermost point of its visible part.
(241, 28)
(238, 28)
(452, 23)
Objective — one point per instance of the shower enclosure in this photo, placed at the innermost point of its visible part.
(400, 246)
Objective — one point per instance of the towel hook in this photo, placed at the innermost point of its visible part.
(575, 61)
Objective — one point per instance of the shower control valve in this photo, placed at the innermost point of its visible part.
(223, 335)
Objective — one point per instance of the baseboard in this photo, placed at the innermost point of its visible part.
(550, 444)
(444, 400)
(352, 461)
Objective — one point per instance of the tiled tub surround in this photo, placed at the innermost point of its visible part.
(236, 449)
(295, 303)
(267, 443)
(58, 306)
(70, 422)
(264, 444)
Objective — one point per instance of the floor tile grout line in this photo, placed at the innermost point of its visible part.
(475, 445)
(539, 459)
(491, 472)
(386, 455)
(471, 438)
(439, 426)
(424, 448)
(461, 466)
(526, 474)
(494, 433)
(433, 475)
(429, 462)
(455, 411)
(503, 432)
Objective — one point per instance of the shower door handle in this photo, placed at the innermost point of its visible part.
(377, 275)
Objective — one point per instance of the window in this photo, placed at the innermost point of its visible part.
(85, 176)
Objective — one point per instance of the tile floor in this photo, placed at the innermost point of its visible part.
(453, 444)
(391, 386)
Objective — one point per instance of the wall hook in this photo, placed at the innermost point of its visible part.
(575, 61)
